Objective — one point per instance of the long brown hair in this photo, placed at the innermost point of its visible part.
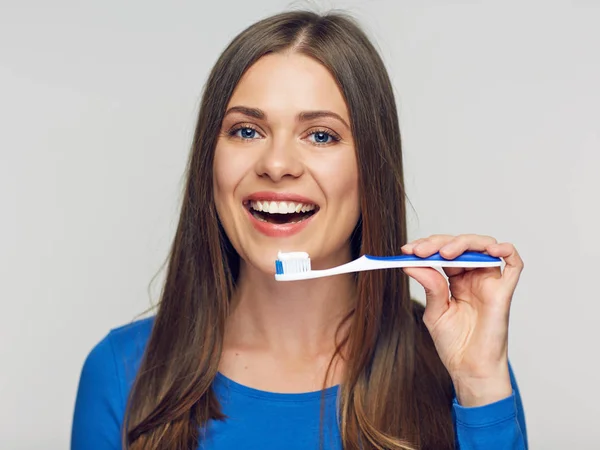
(396, 393)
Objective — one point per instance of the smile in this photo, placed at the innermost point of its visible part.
(278, 212)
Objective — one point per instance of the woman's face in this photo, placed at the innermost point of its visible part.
(285, 170)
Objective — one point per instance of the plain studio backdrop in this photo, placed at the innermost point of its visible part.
(499, 113)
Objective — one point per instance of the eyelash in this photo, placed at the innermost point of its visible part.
(334, 136)
(237, 128)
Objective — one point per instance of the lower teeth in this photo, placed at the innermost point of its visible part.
(266, 221)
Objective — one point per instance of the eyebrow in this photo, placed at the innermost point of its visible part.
(252, 112)
(302, 117)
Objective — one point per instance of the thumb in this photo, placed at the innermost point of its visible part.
(436, 292)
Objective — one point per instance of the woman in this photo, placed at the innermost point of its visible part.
(297, 148)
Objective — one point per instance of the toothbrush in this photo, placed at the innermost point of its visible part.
(296, 265)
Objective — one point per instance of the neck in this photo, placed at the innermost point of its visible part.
(293, 317)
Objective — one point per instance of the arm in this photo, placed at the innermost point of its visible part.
(99, 407)
(499, 425)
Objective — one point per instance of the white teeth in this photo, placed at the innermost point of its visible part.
(281, 207)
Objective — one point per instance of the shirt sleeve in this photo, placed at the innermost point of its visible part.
(497, 426)
(99, 406)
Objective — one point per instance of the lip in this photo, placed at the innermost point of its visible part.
(273, 229)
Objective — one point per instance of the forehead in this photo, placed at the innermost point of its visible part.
(289, 81)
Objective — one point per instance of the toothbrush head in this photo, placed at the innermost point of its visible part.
(291, 263)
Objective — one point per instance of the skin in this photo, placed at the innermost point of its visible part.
(280, 336)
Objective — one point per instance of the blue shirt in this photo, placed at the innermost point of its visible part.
(255, 419)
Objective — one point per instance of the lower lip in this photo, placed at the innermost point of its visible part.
(278, 230)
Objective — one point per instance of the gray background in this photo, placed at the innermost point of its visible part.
(500, 118)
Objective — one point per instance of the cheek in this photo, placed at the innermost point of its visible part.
(225, 181)
(229, 169)
(342, 185)
(219, 175)
(219, 184)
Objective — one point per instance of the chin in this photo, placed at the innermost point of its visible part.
(259, 265)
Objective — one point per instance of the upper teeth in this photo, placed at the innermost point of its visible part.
(281, 207)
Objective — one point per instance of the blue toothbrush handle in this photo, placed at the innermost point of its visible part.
(465, 257)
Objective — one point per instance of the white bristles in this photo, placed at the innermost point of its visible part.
(294, 262)
(296, 266)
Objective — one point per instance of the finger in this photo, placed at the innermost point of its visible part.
(514, 263)
(465, 242)
(408, 248)
(436, 292)
(431, 245)
(483, 272)
(453, 271)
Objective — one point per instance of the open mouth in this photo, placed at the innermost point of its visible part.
(281, 213)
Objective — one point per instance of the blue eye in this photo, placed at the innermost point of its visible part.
(246, 133)
(322, 137)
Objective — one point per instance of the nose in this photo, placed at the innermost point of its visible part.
(278, 160)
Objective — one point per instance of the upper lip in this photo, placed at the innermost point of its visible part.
(278, 197)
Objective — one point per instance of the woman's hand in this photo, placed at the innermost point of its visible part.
(469, 321)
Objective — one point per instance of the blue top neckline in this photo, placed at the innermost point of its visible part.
(222, 383)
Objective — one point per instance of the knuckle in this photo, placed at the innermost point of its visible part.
(464, 238)
(442, 238)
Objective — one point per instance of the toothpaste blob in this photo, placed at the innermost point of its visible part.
(282, 256)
